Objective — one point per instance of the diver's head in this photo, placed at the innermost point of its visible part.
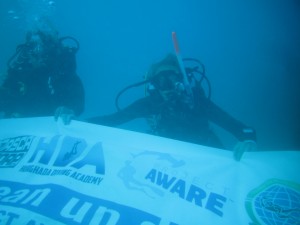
(166, 79)
(40, 46)
(41, 42)
(36, 43)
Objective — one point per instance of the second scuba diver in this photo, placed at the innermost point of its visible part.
(41, 78)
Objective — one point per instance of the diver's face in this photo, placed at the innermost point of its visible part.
(36, 45)
(37, 51)
(169, 85)
(168, 95)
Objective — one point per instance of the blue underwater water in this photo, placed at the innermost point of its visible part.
(251, 51)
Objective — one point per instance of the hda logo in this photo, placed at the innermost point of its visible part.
(56, 151)
(62, 151)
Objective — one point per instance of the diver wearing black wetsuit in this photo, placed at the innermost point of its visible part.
(41, 78)
(173, 116)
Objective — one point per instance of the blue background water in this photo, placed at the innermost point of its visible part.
(251, 50)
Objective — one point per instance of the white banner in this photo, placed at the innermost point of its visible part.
(89, 174)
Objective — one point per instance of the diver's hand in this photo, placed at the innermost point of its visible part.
(65, 113)
(241, 147)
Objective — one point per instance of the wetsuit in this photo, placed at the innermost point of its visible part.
(176, 120)
(30, 91)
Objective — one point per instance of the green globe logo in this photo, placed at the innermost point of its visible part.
(275, 202)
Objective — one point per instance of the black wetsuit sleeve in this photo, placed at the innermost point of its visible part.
(70, 93)
(229, 123)
(9, 93)
(5, 100)
(68, 83)
(75, 96)
(137, 109)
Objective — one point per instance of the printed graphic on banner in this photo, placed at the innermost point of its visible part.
(18, 216)
(275, 202)
(12, 150)
(129, 174)
(55, 156)
(166, 175)
(66, 206)
(56, 174)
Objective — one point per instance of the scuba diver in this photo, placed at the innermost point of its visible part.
(176, 115)
(41, 79)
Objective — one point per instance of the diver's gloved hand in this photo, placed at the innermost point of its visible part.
(65, 113)
(247, 144)
(241, 147)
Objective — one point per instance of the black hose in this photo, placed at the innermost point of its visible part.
(18, 50)
(204, 77)
(76, 48)
(202, 73)
(125, 89)
(197, 61)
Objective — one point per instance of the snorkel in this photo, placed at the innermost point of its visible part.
(186, 83)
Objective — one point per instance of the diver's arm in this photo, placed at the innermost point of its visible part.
(69, 93)
(75, 96)
(69, 84)
(137, 109)
(9, 93)
(4, 96)
(246, 135)
(71, 98)
(229, 123)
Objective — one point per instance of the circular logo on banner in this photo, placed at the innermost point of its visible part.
(275, 202)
